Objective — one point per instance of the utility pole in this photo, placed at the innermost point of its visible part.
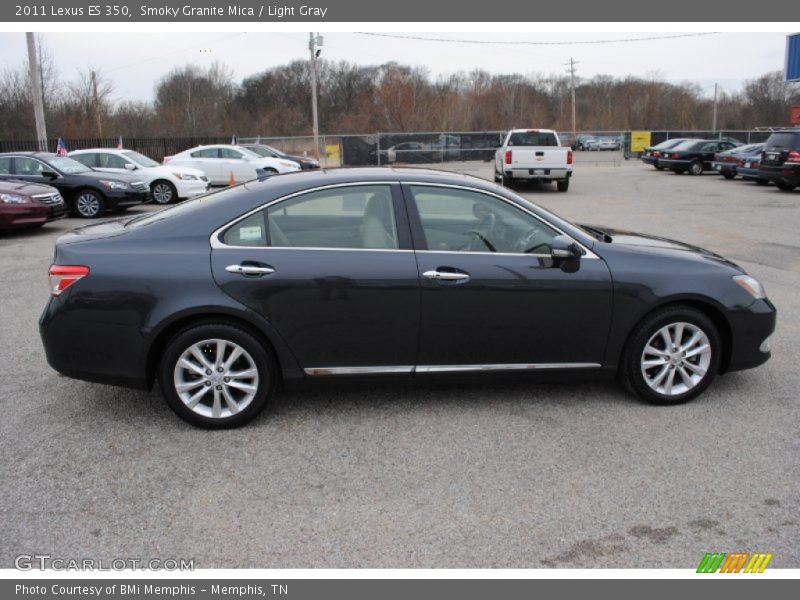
(36, 92)
(572, 62)
(714, 126)
(98, 118)
(314, 41)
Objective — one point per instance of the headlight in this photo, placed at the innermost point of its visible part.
(114, 185)
(751, 285)
(185, 176)
(13, 199)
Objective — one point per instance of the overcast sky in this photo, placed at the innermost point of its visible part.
(135, 61)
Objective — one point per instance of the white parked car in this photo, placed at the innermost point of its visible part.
(219, 161)
(166, 183)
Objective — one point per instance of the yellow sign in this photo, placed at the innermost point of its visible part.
(332, 152)
(639, 140)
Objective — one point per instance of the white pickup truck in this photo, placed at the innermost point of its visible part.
(533, 155)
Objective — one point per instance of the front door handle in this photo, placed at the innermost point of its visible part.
(249, 270)
(446, 275)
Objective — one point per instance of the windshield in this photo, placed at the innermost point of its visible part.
(68, 165)
(140, 159)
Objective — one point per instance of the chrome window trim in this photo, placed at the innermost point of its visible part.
(477, 368)
(217, 244)
(587, 252)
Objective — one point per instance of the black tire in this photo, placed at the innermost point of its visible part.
(507, 180)
(163, 192)
(760, 181)
(88, 204)
(728, 174)
(784, 186)
(631, 367)
(261, 357)
(659, 168)
(696, 168)
(562, 185)
(679, 171)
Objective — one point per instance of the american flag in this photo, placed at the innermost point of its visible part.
(61, 148)
(233, 140)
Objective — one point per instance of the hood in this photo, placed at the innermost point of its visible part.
(16, 186)
(652, 243)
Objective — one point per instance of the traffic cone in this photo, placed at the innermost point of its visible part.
(231, 179)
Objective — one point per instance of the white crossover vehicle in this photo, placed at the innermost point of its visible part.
(220, 161)
(166, 183)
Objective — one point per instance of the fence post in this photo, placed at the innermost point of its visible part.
(378, 147)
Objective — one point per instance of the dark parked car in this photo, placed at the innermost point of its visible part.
(694, 156)
(651, 154)
(780, 161)
(387, 271)
(749, 167)
(728, 162)
(87, 193)
(305, 162)
(26, 205)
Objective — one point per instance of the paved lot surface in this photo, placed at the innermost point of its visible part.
(513, 474)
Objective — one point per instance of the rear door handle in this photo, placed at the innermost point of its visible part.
(446, 275)
(249, 270)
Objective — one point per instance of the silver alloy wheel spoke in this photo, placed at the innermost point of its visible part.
(162, 193)
(676, 358)
(220, 367)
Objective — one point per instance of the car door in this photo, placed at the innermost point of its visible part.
(111, 163)
(707, 152)
(233, 161)
(491, 295)
(208, 161)
(333, 271)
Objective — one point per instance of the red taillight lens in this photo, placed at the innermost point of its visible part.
(508, 157)
(794, 157)
(63, 276)
(674, 155)
(656, 153)
(569, 157)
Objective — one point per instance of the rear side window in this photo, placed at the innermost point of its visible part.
(5, 165)
(532, 138)
(205, 153)
(784, 140)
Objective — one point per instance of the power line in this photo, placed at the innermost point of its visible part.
(528, 43)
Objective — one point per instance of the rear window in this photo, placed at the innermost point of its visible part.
(668, 144)
(688, 145)
(532, 138)
(176, 211)
(785, 140)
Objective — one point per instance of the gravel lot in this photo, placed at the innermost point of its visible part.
(513, 474)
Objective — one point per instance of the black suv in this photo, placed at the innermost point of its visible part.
(780, 160)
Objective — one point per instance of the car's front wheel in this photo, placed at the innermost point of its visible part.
(216, 375)
(728, 174)
(672, 356)
(163, 192)
(88, 204)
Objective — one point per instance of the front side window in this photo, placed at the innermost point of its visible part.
(353, 217)
(5, 165)
(24, 165)
(110, 161)
(457, 220)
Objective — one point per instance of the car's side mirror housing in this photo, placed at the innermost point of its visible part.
(564, 248)
(130, 166)
(50, 174)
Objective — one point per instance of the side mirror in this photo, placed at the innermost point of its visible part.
(130, 166)
(50, 174)
(563, 247)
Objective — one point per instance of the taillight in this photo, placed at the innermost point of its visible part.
(508, 157)
(794, 157)
(569, 157)
(656, 153)
(63, 276)
(674, 155)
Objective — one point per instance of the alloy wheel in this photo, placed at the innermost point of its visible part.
(676, 358)
(162, 193)
(87, 204)
(216, 378)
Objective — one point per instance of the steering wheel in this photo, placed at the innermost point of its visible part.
(527, 243)
(478, 237)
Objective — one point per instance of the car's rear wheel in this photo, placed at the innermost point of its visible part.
(760, 181)
(216, 375)
(672, 356)
(507, 180)
(659, 167)
(728, 174)
(696, 168)
(163, 192)
(785, 186)
(562, 185)
(88, 204)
